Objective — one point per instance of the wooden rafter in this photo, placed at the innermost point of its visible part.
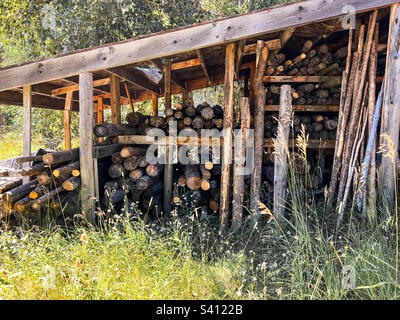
(182, 40)
(240, 54)
(204, 65)
(96, 83)
(134, 78)
(159, 65)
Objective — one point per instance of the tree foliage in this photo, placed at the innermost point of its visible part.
(35, 29)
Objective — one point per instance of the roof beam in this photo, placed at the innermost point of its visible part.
(38, 101)
(203, 65)
(182, 40)
(159, 65)
(96, 83)
(135, 79)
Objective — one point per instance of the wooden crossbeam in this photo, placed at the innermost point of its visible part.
(134, 78)
(96, 83)
(305, 108)
(211, 142)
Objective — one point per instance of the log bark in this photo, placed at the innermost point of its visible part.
(255, 188)
(71, 184)
(238, 174)
(19, 192)
(113, 130)
(56, 157)
(282, 151)
(67, 169)
(130, 164)
(116, 171)
(193, 177)
(132, 151)
(23, 204)
(9, 184)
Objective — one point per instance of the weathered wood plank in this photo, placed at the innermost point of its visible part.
(67, 120)
(115, 88)
(88, 188)
(96, 83)
(181, 40)
(27, 126)
(169, 167)
(391, 109)
(281, 151)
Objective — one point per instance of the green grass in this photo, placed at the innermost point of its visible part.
(182, 258)
(11, 144)
(186, 259)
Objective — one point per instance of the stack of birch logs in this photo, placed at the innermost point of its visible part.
(310, 62)
(49, 176)
(188, 116)
(354, 166)
(317, 126)
(325, 94)
(133, 178)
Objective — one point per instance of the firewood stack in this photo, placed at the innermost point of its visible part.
(311, 61)
(50, 176)
(188, 116)
(316, 126)
(133, 178)
(324, 94)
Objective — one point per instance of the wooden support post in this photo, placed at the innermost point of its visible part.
(88, 183)
(115, 88)
(67, 120)
(252, 92)
(227, 137)
(239, 164)
(391, 109)
(100, 110)
(281, 150)
(27, 126)
(154, 102)
(255, 189)
(169, 167)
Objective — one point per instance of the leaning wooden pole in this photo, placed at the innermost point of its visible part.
(370, 196)
(369, 153)
(358, 95)
(341, 123)
(239, 164)
(391, 111)
(255, 188)
(281, 152)
(227, 133)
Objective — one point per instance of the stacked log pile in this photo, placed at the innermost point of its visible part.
(50, 175)
(188, 116)
(310, 61)
(316, 126)
(325, 94)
